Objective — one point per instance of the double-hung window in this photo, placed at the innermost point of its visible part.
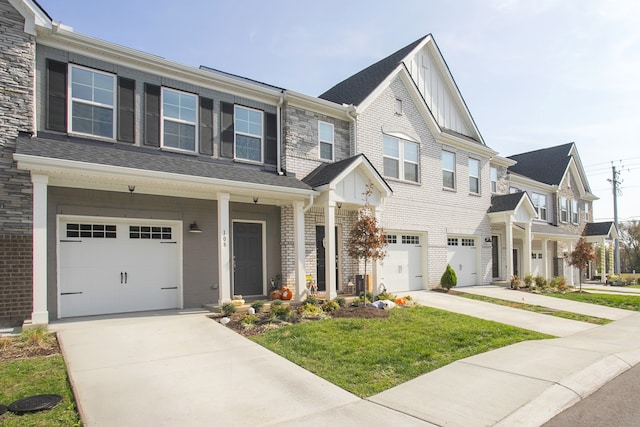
(179, 119)
(248, 134)
(400, 158)
(448, 170)
(540, 203)
(325, 138)
(575, 213)
(494, 179)
(564, 210)
(586, 211)
(92, 102)
(474, 176)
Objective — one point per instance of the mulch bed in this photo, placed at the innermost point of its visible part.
(265, 324)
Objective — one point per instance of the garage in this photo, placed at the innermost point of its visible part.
(461, 256)
(402, 267)
(117, 265)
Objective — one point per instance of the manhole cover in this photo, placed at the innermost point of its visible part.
(35, 403)
(3, 409)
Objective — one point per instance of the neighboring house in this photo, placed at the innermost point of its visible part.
(541, 206)
(132, 183)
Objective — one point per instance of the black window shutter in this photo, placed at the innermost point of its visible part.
(271, 139)
(126, 110)
(56, 114)
(151, 115)
(206, 126)
(227, 130)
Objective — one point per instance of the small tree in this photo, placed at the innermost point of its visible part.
(581, 256)
(367, 240)
(448, 279)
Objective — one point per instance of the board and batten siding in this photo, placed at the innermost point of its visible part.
(437, 92)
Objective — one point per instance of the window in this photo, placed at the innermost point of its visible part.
(494, 179)
(564, 210)
(325, 137)
(91, 102)
(540, 203)
(410, 240)
(575, 213)
(400, 158)
(149, 232)
(179, 119)
(95, 231)
(586, 211)
(448, 170)
(398, 106)
(391, 239)
(468, 242)
(452, 241)
(474, 176)
(248, 134)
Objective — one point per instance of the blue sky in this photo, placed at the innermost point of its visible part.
(533, 73)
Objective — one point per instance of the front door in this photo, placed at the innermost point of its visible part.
(516, 270)
(321, 258)
(247, 259)
(495, 254)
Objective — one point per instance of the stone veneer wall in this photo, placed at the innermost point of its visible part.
(17, 56)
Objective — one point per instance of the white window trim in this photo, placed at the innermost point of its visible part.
(535, 198)
(401, 160)
(565, 210)
(236, 132)
(477, 177)
(575, 215)
(332, 142)
(171, 119)
(449, 170)
(70, 101)
(493, 182)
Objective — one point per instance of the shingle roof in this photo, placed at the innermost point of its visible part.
(551, 229)
(547, 165)
(127, 156)
(505, 202)
(327, 172)
(356, 88)
(598, 228)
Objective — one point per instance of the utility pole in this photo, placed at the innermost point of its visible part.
(615, 182)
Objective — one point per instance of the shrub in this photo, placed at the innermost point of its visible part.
(258, 306)
(367, 297)
(541, 283)
(386, 296)
(250, 319)
(528, 280)
(228, 309)
(559, 284)
(309, 310)
(448, 279)
(312, 300)
(37, 336)
(280, 311)
(341, 301)
(276, 303)
(329, 306)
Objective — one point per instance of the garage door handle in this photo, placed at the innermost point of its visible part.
(70, 293)
(121, 277)
(170, 287)
(125, 277)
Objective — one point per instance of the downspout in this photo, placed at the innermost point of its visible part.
(306, 208)
(354, 119)
(279, 133)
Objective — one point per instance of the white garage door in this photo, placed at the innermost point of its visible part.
(461, 255)
(107, 266)
(402, 267)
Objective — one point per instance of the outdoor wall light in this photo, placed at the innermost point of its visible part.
(339, 205)
(193, 228)
(255, 200)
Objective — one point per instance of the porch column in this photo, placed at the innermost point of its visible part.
(299, 248)
(509, 242)
(40, 315)
(545, 258)
(330, 248)
(570, 267)
(603, 262)
(526, 262)
(224, 255)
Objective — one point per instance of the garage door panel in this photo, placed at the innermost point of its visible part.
(132, 270)
(402, 266)
(461, 256)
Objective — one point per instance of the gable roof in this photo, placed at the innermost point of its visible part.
(547, 165)
(356, 88)
(326, 173)
(506, 202)
(599, 228)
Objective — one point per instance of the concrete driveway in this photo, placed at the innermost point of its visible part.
(174, 368)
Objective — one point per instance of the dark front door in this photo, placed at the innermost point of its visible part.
(247, 259)
(495, 254)
(515, 263)
(321, 258)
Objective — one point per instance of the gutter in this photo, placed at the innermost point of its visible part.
(279, 133)
(354, 118)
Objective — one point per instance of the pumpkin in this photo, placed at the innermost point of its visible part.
(275, 295)
(401, 301)
(286, 293)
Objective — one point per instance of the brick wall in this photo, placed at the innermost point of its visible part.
(17, 56)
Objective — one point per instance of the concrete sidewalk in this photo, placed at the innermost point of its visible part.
(170, 368)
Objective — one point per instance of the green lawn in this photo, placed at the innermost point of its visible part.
(539, 309)
(626, 302)
(37, 375)
(368, 356)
